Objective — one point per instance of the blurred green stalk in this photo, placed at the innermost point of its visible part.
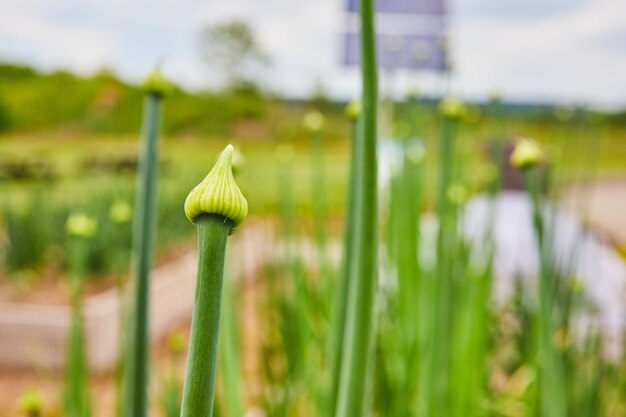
(319, 199)
(341, 302)
(135, 384)
(434, 383)
(77, 402)
(552, 389)
(358, 335)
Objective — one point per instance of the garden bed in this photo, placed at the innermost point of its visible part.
(34, 333)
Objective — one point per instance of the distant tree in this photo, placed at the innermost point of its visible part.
(9, 71)
(5, 117)
(232, 53)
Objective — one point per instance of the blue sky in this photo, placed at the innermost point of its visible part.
(568, 51)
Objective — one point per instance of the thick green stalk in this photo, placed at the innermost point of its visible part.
(199, 390)
(135, 402)
(218, 208)
(358, 335)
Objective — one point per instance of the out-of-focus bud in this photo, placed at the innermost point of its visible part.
(353, 109)
(219, 194)
(156, 83)
(30, 402)
(121, 212)
(81, 225)
(314, 121)
(176, 342)
(527, 153)
(576, 284)
(452, 108)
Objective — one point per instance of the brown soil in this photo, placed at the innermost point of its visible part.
(603, 205)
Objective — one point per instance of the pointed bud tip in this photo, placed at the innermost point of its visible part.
(218, 193)
(353, 109)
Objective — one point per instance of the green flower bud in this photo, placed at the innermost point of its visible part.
(30, 402)
(353, 109)
(81, 225)
(314, 121)
(218, 194)
(527, 153)
(156, 83)
(452, 108)
(121, 212)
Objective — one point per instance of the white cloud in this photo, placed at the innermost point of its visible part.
(547, 58)
(529, 50)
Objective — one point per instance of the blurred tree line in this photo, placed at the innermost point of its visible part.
(32, 101)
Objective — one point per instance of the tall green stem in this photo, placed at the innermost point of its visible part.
(218, 208)
(199, 388)
(358, 335)
(136, 369)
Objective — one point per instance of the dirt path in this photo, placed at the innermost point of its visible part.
(603, 205)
